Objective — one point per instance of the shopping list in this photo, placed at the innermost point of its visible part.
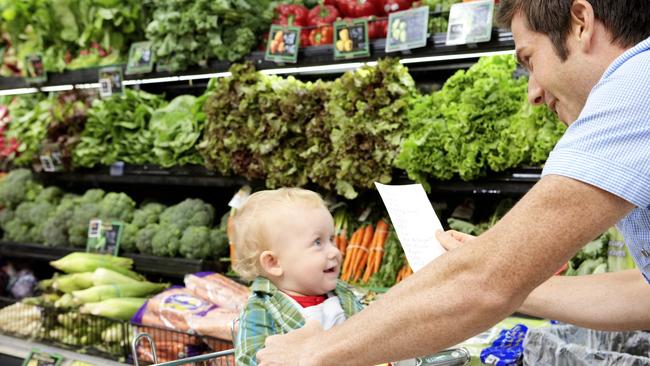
(415, 222)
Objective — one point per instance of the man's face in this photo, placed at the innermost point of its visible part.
(559, 84)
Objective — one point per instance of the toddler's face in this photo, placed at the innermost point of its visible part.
(303, 239)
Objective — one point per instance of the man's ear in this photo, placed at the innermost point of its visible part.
(270, 264)
(583, 24)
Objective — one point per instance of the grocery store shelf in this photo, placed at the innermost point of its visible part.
(312, 61)
(146, 264)
(194, 176)
(516, 182)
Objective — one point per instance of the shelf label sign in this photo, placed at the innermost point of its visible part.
(110, 81)
(470, 22)
(140, 58)
(104, 236)
(351, 39)
(35, 69)
(39, 358)
(50, 158)
(283, 44)
(407, 29)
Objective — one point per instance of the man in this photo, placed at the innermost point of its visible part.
(589, 61)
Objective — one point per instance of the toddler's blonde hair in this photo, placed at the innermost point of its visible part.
(250, 229)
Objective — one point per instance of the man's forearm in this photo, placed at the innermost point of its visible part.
(611, 301)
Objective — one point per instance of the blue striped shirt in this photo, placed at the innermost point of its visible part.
(608, 146)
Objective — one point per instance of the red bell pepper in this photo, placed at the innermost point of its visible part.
(360, 8)
(391, 6)
(304, 38)
(377, 28)
(296, 15)
(321, 35)
(323, 14)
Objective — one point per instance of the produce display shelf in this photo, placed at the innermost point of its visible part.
(517, 181)
(147, 264)
(195, 176)
(311, 60)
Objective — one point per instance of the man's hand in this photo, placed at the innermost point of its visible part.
(291, 349)
(452, 239)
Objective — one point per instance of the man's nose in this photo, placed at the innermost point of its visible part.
(535, 92)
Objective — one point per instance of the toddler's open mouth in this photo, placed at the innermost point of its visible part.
(330, 270)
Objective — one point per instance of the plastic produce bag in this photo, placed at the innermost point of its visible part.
(218, 289)
(568, 345)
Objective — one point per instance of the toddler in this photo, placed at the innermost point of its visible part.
(284, 242)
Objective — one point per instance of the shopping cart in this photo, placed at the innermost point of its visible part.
(220, 358)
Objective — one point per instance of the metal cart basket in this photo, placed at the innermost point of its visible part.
(220, 358)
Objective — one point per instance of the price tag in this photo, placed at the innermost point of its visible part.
(39, 358)
(283, 44)
(104, 236)
(35, 69)
(407, 29)
(50, 158)
(117, 169)
(110, 81)
(470, 22)
(140, 58)
(351, 39)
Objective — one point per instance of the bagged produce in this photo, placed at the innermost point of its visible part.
(218, 289)
(181, 310)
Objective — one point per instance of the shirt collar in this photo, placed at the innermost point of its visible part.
(620, 60)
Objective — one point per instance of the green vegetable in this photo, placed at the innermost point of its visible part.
(65, 301)
(18, 187)
(166, 241)
(118, 308)
(118, 129)
(480, 121)
(196, 243)
(147, 214)
(73, 282)
(189, 33)
(29, 127)
(393, 260)
(103, 276)
(176, 132)
(55, 228)
(88, 262)
(219, 242)
(145, 237)
(129, 237)
(104, 292)
(190, 212)
(117, 206)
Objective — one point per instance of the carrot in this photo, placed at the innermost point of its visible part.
(349, 252)
(362, 254)
(376, 249)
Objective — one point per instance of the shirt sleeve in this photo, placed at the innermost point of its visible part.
(255, 325)
(609, 145)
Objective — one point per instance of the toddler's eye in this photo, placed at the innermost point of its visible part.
(332, 239)
(317, 242)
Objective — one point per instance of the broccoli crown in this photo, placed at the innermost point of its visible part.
(147, 214)
(6, 215)
(144, 237)
(40, 212)
(18, 187)
(195, 243)
(16, 230)
(50, 195)
(166, 241)
(92, 196)
(219, 242)
(24, 211)
(129, 238)
(81, 216)
(55, 231)
(191, 212)
(117, 206)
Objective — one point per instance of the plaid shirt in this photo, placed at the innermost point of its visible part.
(269, 312)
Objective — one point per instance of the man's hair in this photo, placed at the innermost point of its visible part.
(250, 228)
(628, 21)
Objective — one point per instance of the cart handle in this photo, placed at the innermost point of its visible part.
(134, 348)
